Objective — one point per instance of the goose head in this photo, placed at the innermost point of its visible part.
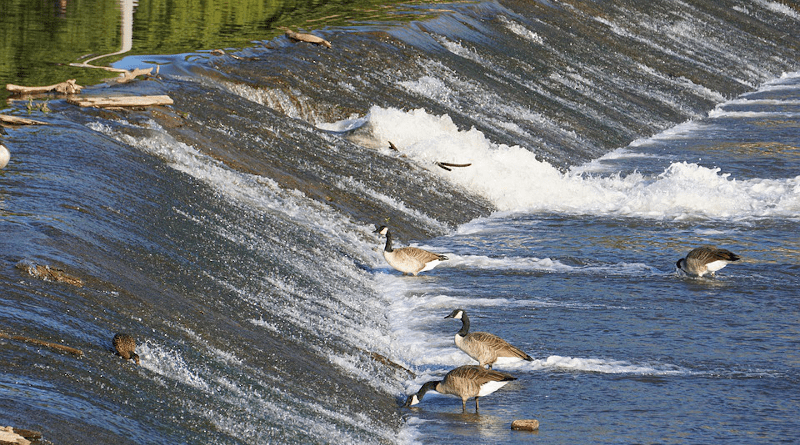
(458, 314)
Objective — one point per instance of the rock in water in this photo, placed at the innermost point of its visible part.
(525, 425)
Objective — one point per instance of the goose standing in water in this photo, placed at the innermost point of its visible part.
(465, 382)
(706, 259)
(409, 260)
(125, 346)
(484, 347)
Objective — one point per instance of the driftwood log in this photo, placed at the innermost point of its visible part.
(15, 120)
(310, 38)
(120, 101)
(44, 343)
(67, 87)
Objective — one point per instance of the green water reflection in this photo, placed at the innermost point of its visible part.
(40, 38)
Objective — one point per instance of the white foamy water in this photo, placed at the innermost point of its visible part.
(301, 314)
(604, 366)
(169, 364)
(514, 180)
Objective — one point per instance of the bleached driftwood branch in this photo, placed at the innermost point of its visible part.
(67, 87)
(120, 101)
(16, 120)
(310, 38)
(128, 76)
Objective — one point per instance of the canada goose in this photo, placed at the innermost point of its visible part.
(125, 346)
(465, 382)
(484, 347)
(409, 260)
(706, 259)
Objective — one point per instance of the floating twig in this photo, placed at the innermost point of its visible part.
(447, 165)
(393, 147)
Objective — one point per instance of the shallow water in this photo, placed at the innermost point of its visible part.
(232, 233)
(625, 349)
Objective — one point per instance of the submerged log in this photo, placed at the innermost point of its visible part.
(48, 273)
(382, 359)
(310, 38)
(44, 343)
(67, 87)
(120, 101)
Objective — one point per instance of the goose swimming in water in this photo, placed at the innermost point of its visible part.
(125, 346)
(484, 347)
(706, 259)
(409, 260)
(465, 382)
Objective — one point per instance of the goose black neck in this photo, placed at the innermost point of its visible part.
(464, 325)
(388, 247)
(430, 386)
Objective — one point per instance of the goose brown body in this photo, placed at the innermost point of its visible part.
(484, 347)
(465, 382)
(125, 345)
(409, 260)
(706, 259)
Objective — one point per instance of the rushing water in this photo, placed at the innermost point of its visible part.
(232, 233)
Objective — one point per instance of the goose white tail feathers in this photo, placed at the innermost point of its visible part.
(409, 260)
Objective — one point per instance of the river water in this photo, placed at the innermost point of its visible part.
(232, 233)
